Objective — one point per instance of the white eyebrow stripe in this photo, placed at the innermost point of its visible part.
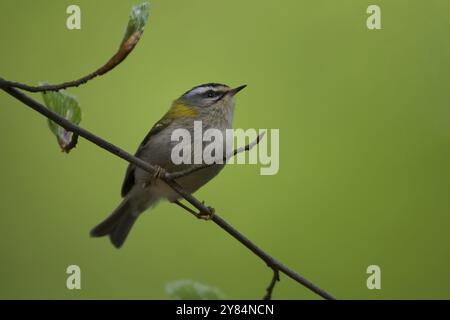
(200, 90)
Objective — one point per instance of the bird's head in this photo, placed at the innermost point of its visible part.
(206, 101)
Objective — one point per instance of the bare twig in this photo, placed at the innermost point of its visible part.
(115, 60)
(270, 261)
(247, 147)
(182, 173)
(273, 282)
(185, 207)
(72, 144)
(126, 46)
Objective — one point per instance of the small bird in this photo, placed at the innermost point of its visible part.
(213, 105)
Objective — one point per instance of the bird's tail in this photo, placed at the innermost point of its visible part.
(118, 224)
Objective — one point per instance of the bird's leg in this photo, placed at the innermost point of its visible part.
(159, 172)
(206, 215)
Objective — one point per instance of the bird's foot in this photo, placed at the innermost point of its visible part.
(207, 215)
(159, 172)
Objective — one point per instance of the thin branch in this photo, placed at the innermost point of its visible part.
(49, 87)
(248, 147)
(182, 173)
(185, 207)
(72, 144)
(273, 282)
(126, 46)
(115, 60)
(269, 260)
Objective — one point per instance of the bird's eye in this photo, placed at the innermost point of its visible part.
(210, 94)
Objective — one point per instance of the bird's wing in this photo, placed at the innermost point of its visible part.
(128, 182)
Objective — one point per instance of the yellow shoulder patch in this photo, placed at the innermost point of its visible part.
(181, 110)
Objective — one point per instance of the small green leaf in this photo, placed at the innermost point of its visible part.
(190, 290)
(138, 18)
(66, 106)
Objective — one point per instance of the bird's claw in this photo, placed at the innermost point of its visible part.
(159, 172)
(207, 215)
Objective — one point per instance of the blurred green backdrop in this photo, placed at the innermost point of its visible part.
(364, 123)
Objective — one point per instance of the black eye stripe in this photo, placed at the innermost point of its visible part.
(212, 93)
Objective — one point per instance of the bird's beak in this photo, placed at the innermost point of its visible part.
(233, 92)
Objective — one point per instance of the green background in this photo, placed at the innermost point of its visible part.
(364, 123)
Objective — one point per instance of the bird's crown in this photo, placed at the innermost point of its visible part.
(207, 93)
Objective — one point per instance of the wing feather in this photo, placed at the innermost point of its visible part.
(129, 180)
